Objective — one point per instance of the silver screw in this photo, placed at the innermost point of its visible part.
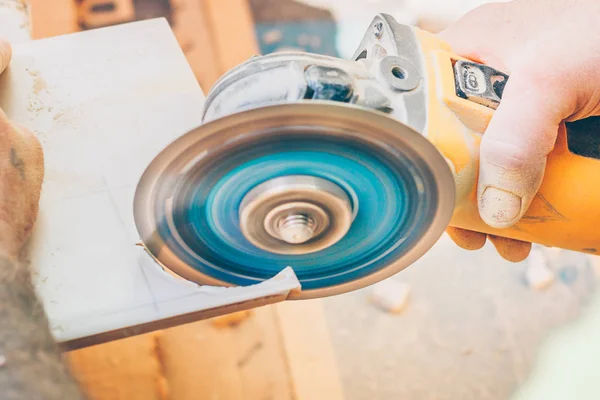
(296, 228)
(378, 30)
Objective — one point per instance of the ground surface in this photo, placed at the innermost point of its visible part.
(472, 328)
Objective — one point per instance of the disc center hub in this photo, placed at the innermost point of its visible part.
(296, 222)
(295, 214)
(296, 228)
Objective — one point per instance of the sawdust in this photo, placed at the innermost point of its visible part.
(39, 84)
(20, 5)
(35, 106)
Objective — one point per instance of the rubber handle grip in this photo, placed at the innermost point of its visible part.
(583, 137)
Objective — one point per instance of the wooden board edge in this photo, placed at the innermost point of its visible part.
(309, 351)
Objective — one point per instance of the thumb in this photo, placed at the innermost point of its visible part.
(513, 149)
(5, 54)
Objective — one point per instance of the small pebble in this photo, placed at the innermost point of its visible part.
(538, 274)
(2, 361)
(391, 296)
(553, 253)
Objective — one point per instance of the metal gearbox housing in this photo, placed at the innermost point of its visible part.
(386, 74)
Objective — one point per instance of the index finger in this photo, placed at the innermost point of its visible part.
(5, 54)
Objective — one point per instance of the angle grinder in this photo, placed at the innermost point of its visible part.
(346, 170)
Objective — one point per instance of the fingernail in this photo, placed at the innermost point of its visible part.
(498, 208)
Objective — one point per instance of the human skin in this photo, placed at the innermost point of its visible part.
(551, 50)
(31, 365)
(549, 47)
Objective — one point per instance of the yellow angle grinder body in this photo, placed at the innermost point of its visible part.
(346, 170)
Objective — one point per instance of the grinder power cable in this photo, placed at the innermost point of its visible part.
(348, 171)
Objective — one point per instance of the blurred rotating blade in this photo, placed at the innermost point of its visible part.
(187, 202)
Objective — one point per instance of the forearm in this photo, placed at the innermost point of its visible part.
(33, 367)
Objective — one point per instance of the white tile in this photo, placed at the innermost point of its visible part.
(113, 98)
(86, 264)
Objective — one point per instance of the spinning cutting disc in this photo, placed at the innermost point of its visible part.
(343, 195)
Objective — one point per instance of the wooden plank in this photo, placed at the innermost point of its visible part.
(128, 369)
(232, 30)
(308, 349)
(280, 352)
(214, 35)
(199, 362)
(206, 360)
(189, 22)
(240, 362)
(262, 363)
(52, 18)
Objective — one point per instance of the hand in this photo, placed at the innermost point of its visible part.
(34, 367)
(551, 50)
(21, 175)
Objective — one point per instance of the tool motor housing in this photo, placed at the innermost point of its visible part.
(412, 76)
